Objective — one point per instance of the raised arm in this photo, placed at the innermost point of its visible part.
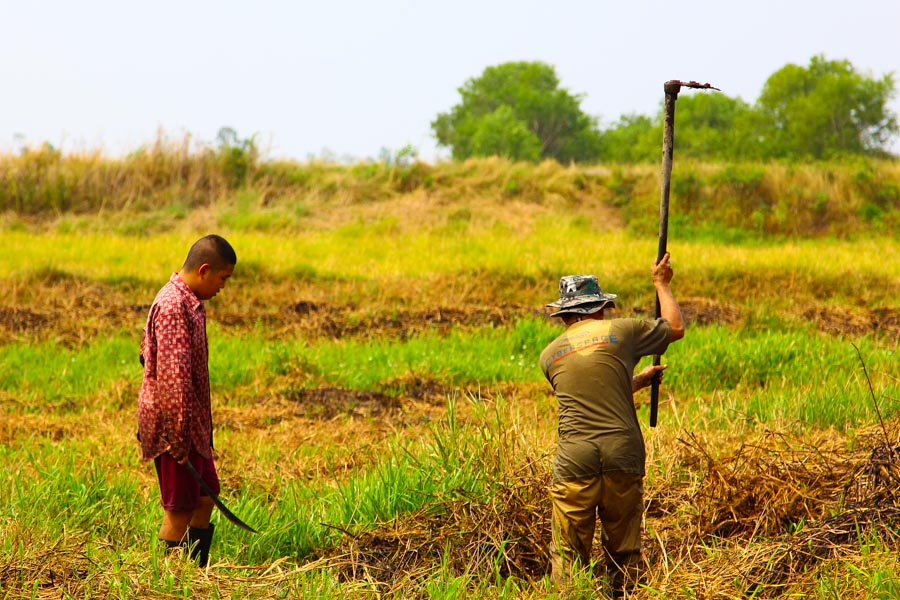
(669, 310)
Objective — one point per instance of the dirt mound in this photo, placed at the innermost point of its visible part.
(318, 319)
(16, 320)
(393, 397)
(705, 311)
(68, 309)
(326, 403)
(844, 321)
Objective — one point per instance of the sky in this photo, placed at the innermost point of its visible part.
(348, 79)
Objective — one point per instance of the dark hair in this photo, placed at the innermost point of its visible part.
(213, 250)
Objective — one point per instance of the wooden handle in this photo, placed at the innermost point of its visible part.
(671, 88)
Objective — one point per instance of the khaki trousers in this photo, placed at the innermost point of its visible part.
(617, 498)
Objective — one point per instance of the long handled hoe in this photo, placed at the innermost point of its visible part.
(671, 88)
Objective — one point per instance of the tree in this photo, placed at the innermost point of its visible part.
(633, 138)
(713, 125)
(509, 108)
(707, 125)
(824, 110)
(501, 133)
(236, 156)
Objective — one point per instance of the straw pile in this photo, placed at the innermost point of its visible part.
(506, 535)
(773, 510)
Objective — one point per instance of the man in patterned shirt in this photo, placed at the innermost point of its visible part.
(599, 466)
(174, 411)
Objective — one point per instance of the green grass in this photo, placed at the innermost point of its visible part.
(54, 374)
(767, 375)
(101, 502)
(782, 376)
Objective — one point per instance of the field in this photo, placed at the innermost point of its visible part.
(381, 418)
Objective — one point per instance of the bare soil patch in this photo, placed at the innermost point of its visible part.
(75, 311)
(855, 322)
(316, 319)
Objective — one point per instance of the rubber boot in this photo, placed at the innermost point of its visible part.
(200, 540)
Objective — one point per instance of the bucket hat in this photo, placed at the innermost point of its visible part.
(581, 295)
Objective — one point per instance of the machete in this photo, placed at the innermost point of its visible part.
(205, 487)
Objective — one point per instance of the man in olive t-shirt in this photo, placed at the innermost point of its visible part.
(599, 465)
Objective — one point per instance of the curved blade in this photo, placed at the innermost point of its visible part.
(228, 514)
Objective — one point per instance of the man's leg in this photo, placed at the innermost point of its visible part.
(621, 510)
(177, 500)
(174, 525)
(187, 513)
(573, 521)
(200, 532)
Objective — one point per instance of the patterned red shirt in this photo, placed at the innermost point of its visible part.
(174, 407)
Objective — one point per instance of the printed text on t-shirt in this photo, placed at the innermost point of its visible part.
(583, 344)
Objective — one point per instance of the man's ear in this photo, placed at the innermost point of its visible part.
(204, 269)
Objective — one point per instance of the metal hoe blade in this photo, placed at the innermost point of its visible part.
(224, 509)
(689, 84)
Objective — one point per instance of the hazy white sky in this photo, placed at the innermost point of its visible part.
(353, 77)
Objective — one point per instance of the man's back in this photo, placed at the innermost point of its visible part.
(590, 367)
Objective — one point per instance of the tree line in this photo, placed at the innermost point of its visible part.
(825, 110)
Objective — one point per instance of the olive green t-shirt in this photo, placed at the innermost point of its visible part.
(590, 367)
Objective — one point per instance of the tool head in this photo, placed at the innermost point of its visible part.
(673, 86)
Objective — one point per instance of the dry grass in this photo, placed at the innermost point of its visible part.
(75, 310)
(172, 181)
(758, 520)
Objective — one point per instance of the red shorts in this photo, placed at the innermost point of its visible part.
(179, 491)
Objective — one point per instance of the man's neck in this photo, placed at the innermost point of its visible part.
(597, 316)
